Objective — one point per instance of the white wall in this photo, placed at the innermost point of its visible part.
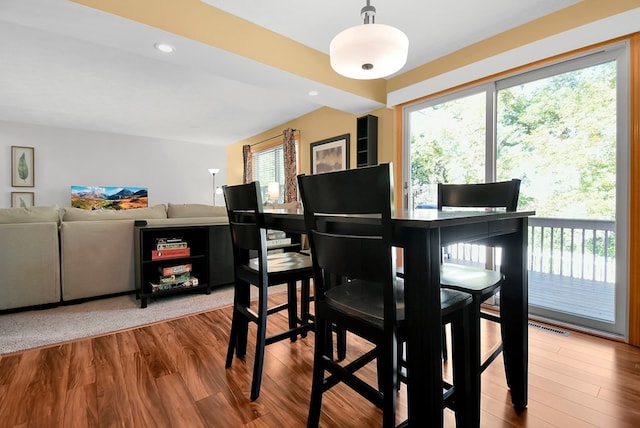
(173, 171)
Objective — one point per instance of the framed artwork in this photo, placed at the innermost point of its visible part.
(22, 199)
(329, 155)
(22, 166)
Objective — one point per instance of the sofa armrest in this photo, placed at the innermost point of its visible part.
(29, 265)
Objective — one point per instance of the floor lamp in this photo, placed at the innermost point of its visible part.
(213, 172)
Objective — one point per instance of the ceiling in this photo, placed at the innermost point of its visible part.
(68, 65)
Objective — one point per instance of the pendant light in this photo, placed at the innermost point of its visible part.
(370, 50)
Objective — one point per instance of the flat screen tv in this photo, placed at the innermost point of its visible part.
(109, 197)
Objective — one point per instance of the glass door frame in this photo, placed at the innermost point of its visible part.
(618, 52)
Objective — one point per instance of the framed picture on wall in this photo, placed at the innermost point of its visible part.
(329, 155)
(22, 199)
(22, 166)
(109, 197)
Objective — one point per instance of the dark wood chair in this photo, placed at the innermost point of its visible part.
(481, 283)
(348, 220)
(253, 266)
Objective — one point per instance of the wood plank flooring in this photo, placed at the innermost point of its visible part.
(172, 374)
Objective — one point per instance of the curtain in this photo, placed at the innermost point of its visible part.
(247, 164)
(290, 166)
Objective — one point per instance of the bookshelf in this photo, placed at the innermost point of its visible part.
(366, 141)
(171, 260)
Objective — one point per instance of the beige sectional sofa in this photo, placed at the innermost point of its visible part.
(96, 250)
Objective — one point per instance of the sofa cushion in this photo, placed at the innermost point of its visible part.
(29, 215)
(79, 214)
(195, 210)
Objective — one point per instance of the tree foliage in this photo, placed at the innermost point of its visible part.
(557, 134)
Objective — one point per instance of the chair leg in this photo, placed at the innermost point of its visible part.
(305, 298)
(321, 349)
(239, 324)
(445, 353)
(400, 356)
(233, 339)
(260, 343)
(341, 343)
(292, 308)
(388, 378)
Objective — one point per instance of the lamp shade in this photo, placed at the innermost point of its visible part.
(369, 51)
(273, 191)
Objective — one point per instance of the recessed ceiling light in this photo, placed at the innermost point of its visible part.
(164, 47)
(313, 93)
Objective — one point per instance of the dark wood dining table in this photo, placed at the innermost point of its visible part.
(421, 234)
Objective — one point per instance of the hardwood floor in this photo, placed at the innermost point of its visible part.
(172, 374)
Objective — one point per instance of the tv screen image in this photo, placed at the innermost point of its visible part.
(109, 197)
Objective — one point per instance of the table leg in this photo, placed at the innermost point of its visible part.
(514, 303)
(423, 316)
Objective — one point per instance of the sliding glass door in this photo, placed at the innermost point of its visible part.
(562, 130)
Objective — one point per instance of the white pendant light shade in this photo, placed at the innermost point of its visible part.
(369, 51)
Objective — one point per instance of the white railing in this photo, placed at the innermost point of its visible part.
(581, 249)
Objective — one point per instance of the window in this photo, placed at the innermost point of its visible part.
(268, 167)
(447, 145)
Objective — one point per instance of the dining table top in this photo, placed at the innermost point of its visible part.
(407, 219)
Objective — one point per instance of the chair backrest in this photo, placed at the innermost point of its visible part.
(348, 220)
(246, 221)
(500, 194)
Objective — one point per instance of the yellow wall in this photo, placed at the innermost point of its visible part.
(318, 125)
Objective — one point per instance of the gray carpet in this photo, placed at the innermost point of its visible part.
(31, 329)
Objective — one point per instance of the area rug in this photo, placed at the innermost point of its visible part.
(32, 329)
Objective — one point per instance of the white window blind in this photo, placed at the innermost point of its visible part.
(268, 167)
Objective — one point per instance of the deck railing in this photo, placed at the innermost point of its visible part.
(581, 249)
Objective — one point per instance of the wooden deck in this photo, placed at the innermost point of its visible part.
(576, 296)
(581, 297)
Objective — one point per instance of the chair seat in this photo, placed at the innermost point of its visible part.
(363, 300)
(471, 279)
(284, 262)
(465, 278)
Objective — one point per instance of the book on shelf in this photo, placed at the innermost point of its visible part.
(170, 243)
(192, 281)
(172, 270)
(275, 234)
(163, 240)
(175, 278)
(170, 254)
(278, 242)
